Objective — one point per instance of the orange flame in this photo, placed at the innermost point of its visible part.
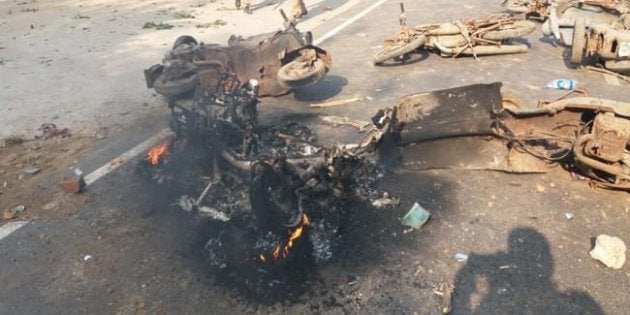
(157, 152)
(283, 251)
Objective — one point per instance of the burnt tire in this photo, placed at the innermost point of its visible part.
(518, 29)
(398, 50)
(579, 41)
(290, 78)
(185, 39)
(171, 88)
(273, 202)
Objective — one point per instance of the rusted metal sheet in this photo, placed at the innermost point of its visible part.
(461, 111)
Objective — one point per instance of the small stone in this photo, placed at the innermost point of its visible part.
(12, 157)
(540, 188)
(49, 206)
(32, 170)
(2, 171)
(19, 165)
(610, 250)
(100, 135)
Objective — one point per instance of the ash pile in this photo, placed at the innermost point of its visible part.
(271, 194)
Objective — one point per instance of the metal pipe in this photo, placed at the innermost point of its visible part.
(483, 50)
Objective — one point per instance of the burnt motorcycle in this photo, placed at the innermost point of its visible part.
(283, 166)
(490, 35)
(279, 61)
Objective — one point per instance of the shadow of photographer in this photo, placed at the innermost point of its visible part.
(517, 281)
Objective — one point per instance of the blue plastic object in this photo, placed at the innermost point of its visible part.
(416, 217)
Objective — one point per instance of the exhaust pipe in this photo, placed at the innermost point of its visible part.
(482, 50)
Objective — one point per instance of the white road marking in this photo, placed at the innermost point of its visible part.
(345, 24)
(125, 157)
(11, 227)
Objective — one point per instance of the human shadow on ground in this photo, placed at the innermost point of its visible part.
(518, 281)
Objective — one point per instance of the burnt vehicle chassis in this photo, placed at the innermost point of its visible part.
(586, 135)
(280, 61)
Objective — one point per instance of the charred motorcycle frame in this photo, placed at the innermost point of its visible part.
(279, 61)
(486, 36)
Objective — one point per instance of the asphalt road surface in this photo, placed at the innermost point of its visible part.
(129, 250)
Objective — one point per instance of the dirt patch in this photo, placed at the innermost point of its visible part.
(30, 171)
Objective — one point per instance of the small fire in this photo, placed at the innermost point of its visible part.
(282, 251)
(157, 152)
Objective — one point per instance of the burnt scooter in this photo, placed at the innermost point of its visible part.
(281, 180)
(486, 36)
(279, 61)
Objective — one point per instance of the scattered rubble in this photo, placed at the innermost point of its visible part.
(610, 250)
(50, 130)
